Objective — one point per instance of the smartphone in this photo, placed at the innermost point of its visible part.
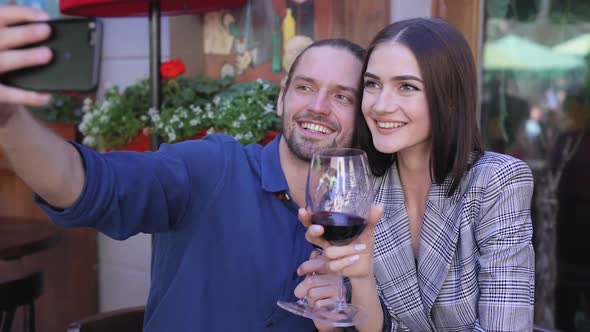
(75, 67)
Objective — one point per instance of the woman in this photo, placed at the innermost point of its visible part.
(453, 249)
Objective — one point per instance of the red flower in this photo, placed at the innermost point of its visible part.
(172, 68)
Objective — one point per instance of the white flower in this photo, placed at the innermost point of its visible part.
(235, 124)
(94, 131)
(104, 119)
(171, 137)
(152, 111)
(87, 117)
(106, 105)
(216, 100)
(87, 101)
(207, 107)
(242, 117)
(194, 122)
(269, 108)
(196, 109)
(174, 118)
(143, 118)
(89, 141)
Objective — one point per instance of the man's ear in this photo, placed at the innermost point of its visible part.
(280, 103)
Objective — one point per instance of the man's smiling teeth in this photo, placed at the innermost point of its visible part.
(390, 124)
(316, 128)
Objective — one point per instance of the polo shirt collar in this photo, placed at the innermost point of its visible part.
(273, 178)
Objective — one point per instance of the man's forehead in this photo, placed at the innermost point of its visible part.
(327, 63)
(329, 53)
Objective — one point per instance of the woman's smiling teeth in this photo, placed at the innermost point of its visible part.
(316, 128)
(388, 125)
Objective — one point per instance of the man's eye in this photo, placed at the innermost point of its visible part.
(304, 88)
(343, 98)
(370, 84)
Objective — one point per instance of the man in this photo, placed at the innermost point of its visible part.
(227, 241)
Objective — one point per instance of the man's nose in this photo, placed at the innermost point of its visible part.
(320, 103)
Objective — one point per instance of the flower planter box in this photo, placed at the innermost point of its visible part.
(65, 130)
(142, 142)
(268, 137)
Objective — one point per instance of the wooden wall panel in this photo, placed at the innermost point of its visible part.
(70, 275)
(356, 20)
(360, 22)
(186, 42)
(465, 16)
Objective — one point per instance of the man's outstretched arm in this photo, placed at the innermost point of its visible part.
(49, 165)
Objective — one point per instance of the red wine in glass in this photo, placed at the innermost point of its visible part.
(339, 228)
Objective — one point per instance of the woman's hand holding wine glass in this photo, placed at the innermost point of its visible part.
(354, 260)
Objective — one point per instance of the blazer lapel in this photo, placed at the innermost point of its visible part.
(395, 267)
(438, 239)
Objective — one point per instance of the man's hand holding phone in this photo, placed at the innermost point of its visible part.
(12, 57)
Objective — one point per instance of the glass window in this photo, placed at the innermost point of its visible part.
(536, 106)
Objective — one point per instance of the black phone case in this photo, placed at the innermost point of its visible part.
(76, 47)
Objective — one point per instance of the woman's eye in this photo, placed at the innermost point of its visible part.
(408, 87)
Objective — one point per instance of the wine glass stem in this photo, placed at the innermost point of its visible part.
(340, 299)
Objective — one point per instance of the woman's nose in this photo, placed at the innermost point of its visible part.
(385, 103)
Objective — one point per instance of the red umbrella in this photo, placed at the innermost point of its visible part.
(114, 8)
(153, 9)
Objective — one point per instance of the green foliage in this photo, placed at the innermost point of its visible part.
(62, 108)
(247, 110)
(117, 119)
(244, 111)
(186, 107)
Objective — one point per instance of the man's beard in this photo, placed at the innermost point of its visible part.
(301, 148)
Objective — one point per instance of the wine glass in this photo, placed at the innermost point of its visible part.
(339, 195)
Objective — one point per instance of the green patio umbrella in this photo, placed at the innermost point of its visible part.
(579, 46)
(520, 54)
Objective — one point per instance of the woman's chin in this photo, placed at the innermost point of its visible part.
(385, 147)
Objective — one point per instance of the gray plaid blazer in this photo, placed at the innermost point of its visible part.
(475, 264)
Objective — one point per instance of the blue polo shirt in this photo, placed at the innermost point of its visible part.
(226, 243)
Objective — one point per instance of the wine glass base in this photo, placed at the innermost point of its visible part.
(340, 314)
(298, 308)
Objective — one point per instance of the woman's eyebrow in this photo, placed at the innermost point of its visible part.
(396, 78)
